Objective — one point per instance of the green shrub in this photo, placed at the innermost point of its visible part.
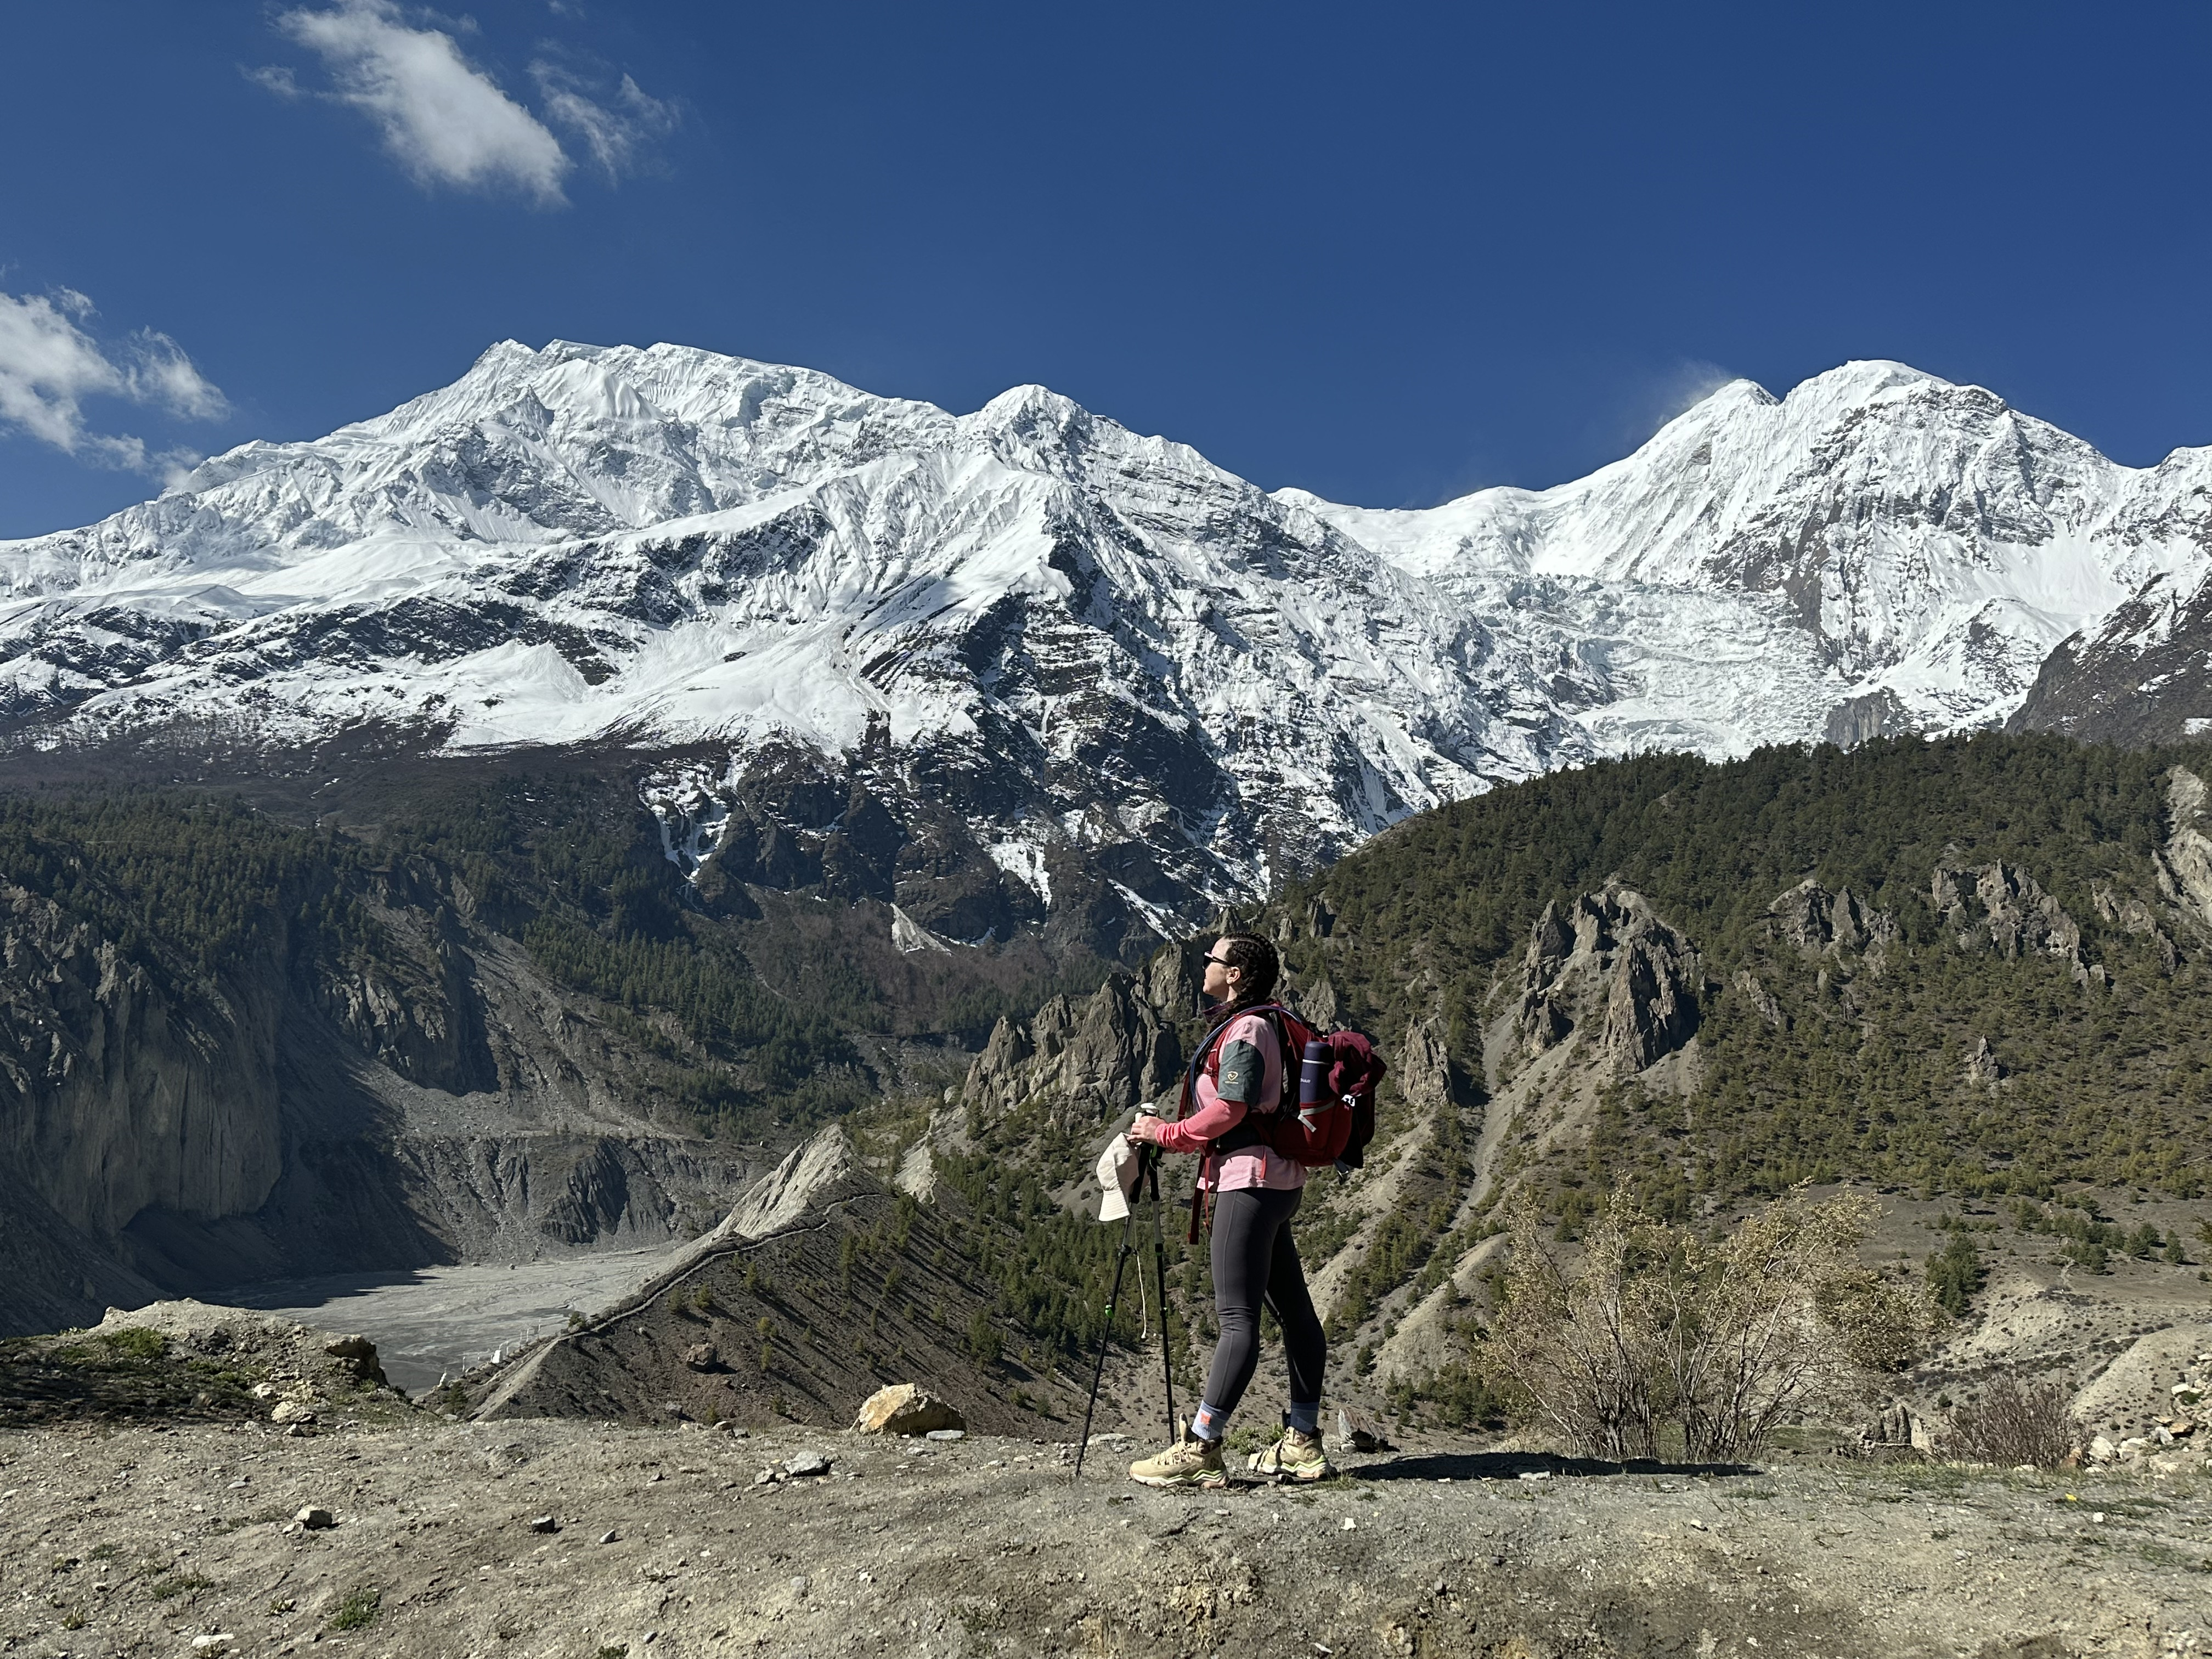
(136, 1342)
(357, 1608)
(1954, 1273)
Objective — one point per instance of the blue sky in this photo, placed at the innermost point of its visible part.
(1390, 254)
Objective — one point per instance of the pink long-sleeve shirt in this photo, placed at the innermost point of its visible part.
(1212, 1117)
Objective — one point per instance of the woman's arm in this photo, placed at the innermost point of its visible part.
(1214, 1117)
(1224, 1099)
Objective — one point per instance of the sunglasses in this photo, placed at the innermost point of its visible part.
(1222, 961)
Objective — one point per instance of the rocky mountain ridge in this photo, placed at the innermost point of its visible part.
(1024, 665)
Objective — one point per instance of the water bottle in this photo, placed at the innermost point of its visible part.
(1313, 1079)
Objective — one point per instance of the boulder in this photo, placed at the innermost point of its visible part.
(703, 1356)
(906, 1408)
(358, 1354)
(292, 1411)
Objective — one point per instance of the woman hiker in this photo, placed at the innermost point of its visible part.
(1255, 1192)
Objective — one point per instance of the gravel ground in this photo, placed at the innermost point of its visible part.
(177, 1539)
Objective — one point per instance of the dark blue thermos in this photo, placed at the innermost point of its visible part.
(1313, 1075)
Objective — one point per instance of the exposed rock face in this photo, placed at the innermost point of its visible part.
(1756, 993)
(164, 1128)
(1897, 1427)
(1317, 1004)
(1425, 1076)
(2132, 915)
(428, 1030)
(2185, 866)
(1172, 983)
(1108, 1051)
(1608, 963)
(1984, 1070)
(123, 1094)
(2138, 674)
(814, 1174)
(2003, 906)
(1820, 922)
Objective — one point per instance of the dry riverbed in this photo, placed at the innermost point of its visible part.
(181, 1539)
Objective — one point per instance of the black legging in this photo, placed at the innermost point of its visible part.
(1254, 1259)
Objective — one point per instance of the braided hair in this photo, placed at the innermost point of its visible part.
(1258, 967)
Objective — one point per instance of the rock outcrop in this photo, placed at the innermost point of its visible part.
(131, 1084)
(1820, 922)
(1099, 1055)
(1984, 1069)
(2132, 915)
(2003, 907)
(304, 1107)
(2185, 864)
(1609, 965)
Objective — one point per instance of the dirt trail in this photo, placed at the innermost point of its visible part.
(140, 1539)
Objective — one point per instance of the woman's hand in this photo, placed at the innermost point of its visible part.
(1146, 1128)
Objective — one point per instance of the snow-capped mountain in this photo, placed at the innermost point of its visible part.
(991, 663)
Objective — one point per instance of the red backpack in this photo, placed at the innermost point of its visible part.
(1326, 1112)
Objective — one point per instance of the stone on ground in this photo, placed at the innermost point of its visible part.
(906, 1408)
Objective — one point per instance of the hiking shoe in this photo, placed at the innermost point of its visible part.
(1296, 1456)
(1189, 1462)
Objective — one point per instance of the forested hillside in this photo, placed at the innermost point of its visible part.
(1997, 981)
(1974, 975)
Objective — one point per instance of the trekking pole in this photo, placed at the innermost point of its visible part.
(1106, 1336)
(1160, 1268)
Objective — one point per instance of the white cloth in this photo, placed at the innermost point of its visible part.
(1117, 1175)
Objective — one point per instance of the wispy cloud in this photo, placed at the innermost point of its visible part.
(616, 127)
(445, 120)
(50, 364)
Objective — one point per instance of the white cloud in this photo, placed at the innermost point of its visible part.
(49, 365)
(617, 130)
(443, 118)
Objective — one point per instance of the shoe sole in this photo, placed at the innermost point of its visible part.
(1300, 1474)
(1212, 1481)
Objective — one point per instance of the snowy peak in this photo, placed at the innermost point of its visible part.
(1085, 655)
